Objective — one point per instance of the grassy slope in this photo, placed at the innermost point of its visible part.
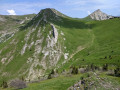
(60, 83)
(17, 66)
(64, 82)
(101, 40)
(104, 40)
(98, 38)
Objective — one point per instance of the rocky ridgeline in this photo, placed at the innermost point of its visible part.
(41, 38)
(52, 49)
(49, 14)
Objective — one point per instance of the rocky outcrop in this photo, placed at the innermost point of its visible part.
(2, 19)
(99, 15)
(45, 56)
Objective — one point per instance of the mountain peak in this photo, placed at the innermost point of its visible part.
(46, 9)
(99, 10)
(99, 15)
(49, 14)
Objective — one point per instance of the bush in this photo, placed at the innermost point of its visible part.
(92, 67)
(74, 70)
(50, 75)
(18, 84)
(22, 78)
(110, 57)
(105, 67)
(88, 75)
(52, 72)
(81, 78)
(88, 68)
(105, 57)
(4, 84)
(117, 72)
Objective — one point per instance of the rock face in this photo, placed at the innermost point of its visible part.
(39, 42)
(51, 51)
(2, 19)
(99, 15)
(49, 14)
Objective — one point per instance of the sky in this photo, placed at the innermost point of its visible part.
(72, 8)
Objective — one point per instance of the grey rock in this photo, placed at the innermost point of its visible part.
(99, 15)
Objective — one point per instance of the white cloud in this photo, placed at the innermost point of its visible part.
(11, 12)
(88, 12)
(23, 7)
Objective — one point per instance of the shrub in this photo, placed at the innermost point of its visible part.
(88, 68)
(117, 72)
(56, 71)
(110, 57)
(18, 84)
(52, 72)
(81, 78)
(4, 84)
(105, 57)
(88, 75)
(105, 67)
(22, 78)
(97, 68)
(112, 51)
(92, 67)
(49, 76)
(74, 70)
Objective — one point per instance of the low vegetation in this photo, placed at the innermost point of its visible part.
(89, 55)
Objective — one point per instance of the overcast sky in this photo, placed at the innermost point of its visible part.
(73, 8)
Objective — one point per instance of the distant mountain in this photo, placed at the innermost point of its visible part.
(9, 24)
(99, 15)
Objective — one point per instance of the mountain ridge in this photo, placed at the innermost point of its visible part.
(51, 41)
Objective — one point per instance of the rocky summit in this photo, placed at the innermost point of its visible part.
(99, 15)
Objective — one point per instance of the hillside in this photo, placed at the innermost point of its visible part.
(11, 24)
(54, 41)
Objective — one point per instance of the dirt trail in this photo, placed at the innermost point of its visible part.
(80, 48)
